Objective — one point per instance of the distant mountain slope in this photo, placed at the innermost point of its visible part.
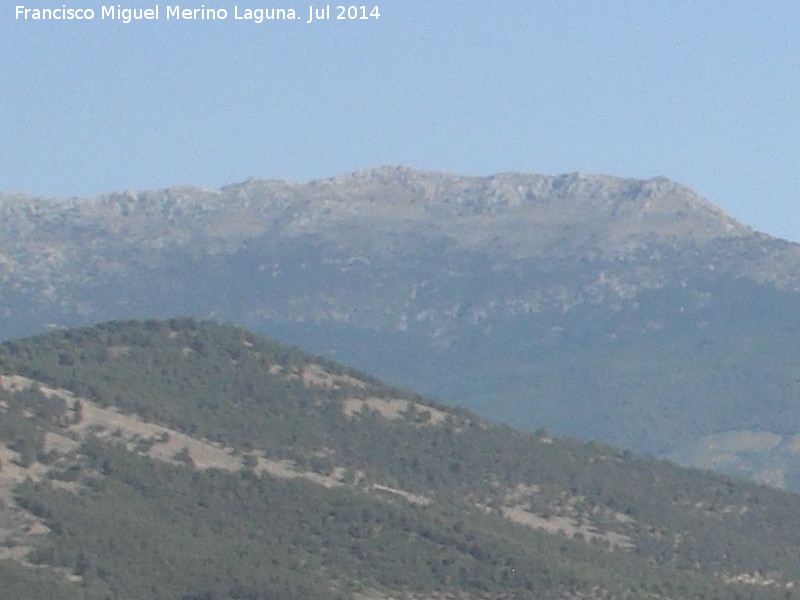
(179, 460)
(615, 309)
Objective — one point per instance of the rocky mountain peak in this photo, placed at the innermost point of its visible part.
(600, 206)
(511, 216)
(598, 202)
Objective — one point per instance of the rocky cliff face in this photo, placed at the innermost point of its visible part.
(593, 305)
(387, 212)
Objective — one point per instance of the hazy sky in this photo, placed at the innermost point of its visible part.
(705, 93)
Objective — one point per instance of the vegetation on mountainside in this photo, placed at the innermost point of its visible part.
(659, 317)
(419, 499)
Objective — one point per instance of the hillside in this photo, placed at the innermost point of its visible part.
(186, 460)
(628, 311)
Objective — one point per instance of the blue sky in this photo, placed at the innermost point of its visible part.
(705, 93)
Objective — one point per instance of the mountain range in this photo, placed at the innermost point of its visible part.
(188, 460)
(626, 311)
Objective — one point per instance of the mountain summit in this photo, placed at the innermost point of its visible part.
(617, 309)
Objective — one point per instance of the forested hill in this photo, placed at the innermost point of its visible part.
(185, 460)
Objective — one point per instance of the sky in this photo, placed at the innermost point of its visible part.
(705, 93)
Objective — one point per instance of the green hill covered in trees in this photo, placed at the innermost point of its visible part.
(185, 460)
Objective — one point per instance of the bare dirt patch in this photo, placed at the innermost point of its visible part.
(392, 409)
(567, 526)
(412, 498)
(563, 518)
(314, 375)
(19, 529)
